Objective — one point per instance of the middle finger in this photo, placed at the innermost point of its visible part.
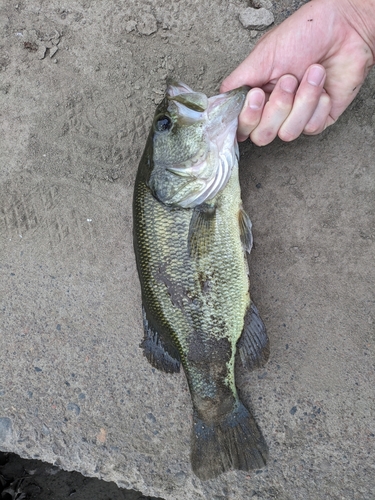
(276, 110)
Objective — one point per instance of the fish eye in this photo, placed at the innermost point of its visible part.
(163, 123)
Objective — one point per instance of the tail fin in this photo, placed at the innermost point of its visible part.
(236, 442)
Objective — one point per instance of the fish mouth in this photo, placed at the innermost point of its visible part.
(224, 108)
(176, 88)
(219, 111)
(203, 176)
(222, 117)
(190, 107)
(226, 105)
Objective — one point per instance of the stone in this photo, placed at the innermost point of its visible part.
(256, 19)
(130, 26)
(147, 25)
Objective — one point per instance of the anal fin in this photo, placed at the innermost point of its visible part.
(253, 346)
(158, 349)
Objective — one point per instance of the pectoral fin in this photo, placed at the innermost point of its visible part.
(253, 346)
(201, 230)
(159, 349)
(245, 230)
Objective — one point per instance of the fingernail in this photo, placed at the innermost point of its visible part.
(315, 75)
(255, 99)
(288, 84)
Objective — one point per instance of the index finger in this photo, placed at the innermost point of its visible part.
(254, 71)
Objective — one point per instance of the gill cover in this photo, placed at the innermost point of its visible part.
(194, 145)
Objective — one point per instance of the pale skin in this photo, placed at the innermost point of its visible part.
(305, 72)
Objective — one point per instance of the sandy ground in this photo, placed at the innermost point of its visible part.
(79, 81)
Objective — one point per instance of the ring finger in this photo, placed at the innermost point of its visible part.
(306, 102)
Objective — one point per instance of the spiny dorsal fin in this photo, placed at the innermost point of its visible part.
(201, 230)
(253, 345)
(245, 230)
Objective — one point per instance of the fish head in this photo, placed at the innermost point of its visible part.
(194, 146)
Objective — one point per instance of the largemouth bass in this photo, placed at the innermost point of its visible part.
(191, 236)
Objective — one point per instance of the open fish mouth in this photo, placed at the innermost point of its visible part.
(220, 109)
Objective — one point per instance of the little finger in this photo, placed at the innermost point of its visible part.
(321, 117)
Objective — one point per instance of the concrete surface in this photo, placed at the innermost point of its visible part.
(75, 388)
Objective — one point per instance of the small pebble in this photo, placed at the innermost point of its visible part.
(130, 26)
(256, 19)
(147, 25)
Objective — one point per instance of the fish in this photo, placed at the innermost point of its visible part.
(191, 238)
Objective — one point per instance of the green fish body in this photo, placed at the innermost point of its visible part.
(191, 235)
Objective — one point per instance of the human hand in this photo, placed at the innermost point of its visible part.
(306, 71)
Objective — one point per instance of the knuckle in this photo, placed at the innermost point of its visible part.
(248, 122)
(287, 136)
(262, 137)
(310, 100)
(283, 103)
(312, 129)
(309, 94)
(245, 130)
